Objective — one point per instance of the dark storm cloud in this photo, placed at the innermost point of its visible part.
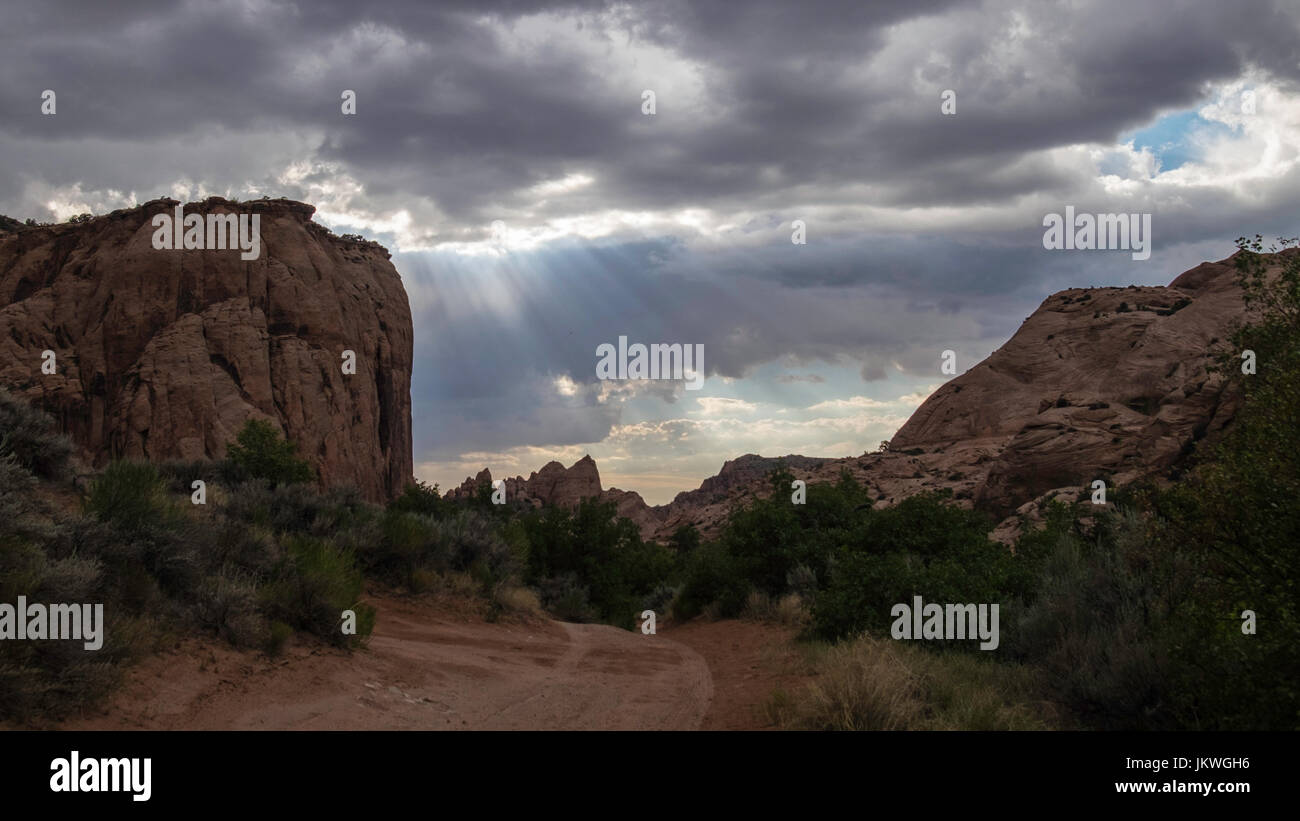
(449, 110)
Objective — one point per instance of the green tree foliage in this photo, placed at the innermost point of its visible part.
(262, 453)
(685, 540)
(1237, 516)
(924, 546)
(597, 552)
(854, 562)
(419, 498)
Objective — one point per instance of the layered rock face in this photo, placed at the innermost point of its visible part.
(166, 353)
(1099, 383)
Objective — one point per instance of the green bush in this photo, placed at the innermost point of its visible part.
(405, 543)
(30, 436)
(314, 585)
(130, 495)
(262, 453)
(600, 552)
(295, 508)
(922, 546)
(712, 577)
(419, 498)
(1101, 624)
(567, 599)
(227, 604)
(472, 543)
(277, 636)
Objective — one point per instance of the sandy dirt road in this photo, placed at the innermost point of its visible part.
(424, 672)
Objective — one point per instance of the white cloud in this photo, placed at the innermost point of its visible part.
(720, 405)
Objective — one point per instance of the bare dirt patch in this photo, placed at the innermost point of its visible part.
(749, 661)
(423, 669)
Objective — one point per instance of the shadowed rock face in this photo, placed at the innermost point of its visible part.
(1100, 383)
(1106, 383)
(165, 354)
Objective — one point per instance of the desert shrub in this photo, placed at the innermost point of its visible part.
(659, 599)
(879, 684)
(17, 494)
(249, 567)
(30, 691)
(419, 498)
(315, 583)
(788, 610)
(227, 603)
(262, 453)
(406, 543)
(791, 611)
(472, 543)
(31, 437)
(180, 473)
(515, 599)
(802, 581)
(129, 495)
(71, 579)
(566, 598)
(248, 548)
(146, 532)
(922, 546)
(600, 552)
(1099, 627)
(295, 508)
(278, 634)
(758, 606)
(253, 502)
(860, 686)
(712, 576)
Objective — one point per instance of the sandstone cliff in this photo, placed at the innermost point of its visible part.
(1098, 383)
(164, 354)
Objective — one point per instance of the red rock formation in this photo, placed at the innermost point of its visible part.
(555, 484)
(164, 354)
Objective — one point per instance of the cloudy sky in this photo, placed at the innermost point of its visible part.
(924, 230)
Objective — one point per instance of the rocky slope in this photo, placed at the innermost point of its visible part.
(1098, 383)
(164, 354)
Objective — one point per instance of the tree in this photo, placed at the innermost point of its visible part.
(420, 498)
(685, 540)
(1236, 517)
(260, 452)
